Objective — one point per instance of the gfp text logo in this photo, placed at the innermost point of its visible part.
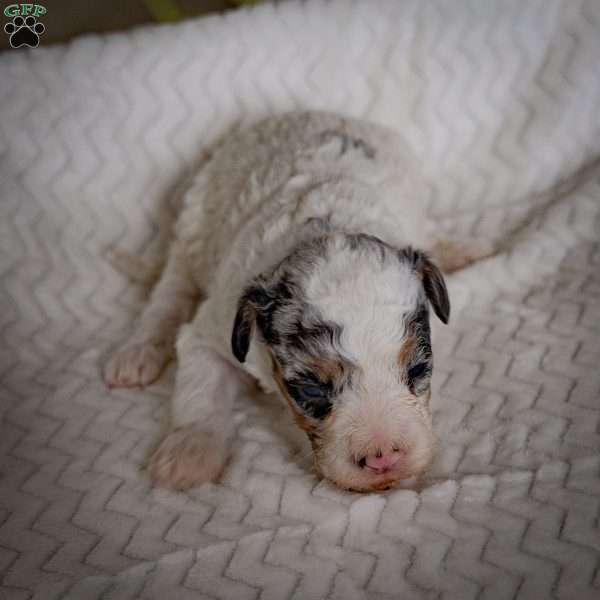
(24, 29)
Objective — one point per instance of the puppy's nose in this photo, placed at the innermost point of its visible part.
(380, 463)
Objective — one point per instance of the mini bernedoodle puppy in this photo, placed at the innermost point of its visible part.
(300, 259)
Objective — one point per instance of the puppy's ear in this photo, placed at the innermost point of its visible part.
(435, 289)
(254, 299)
(433, 282)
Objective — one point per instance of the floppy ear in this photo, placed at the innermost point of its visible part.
(433, 282)
(254, 299)
(435, 287)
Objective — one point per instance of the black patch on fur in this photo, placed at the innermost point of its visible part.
(320, 225)
(370, 243)
(417, 326)
(310, 341)
(433, 281)
(317, 408)
(299, 338)
(250, 306)
(278, 295)
(348, 142)
(293, 329)
(309, 337)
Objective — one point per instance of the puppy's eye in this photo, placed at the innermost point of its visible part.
(313, 392)
(312, 398)
(417, 371)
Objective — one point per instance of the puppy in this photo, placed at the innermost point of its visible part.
(304, 237)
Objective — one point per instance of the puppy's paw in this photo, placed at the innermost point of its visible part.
(135, 365)
(187, 457)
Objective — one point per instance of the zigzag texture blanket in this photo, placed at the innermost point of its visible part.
(500, 100)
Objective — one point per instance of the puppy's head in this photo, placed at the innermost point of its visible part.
(345, 321)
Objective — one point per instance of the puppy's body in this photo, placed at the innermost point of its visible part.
(298, 233)
(265, 190)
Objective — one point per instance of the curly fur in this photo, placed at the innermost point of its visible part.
(300, 235)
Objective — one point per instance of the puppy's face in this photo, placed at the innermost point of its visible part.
(345, 320)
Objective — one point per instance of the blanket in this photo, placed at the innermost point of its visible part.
(499, 101)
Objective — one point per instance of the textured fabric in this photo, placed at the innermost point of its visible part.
(499, 100)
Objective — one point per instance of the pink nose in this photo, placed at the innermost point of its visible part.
(382, 463)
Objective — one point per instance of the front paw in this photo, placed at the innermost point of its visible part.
(187, 457)
(135, 365)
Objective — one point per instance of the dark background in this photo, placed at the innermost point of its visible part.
(68, 18)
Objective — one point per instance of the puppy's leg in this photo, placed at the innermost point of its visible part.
(452, 255)
(172, 302)
(196, 448)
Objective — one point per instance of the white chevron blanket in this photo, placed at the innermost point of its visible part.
(500, 100)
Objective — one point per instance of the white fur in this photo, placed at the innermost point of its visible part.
(246, 211)
(364, 298)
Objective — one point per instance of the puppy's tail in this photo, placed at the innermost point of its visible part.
(144, 272)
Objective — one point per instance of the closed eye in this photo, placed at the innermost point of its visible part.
(312, 398)
(312, 392)
(417, 371)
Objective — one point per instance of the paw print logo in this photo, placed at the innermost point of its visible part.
(24, 31)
